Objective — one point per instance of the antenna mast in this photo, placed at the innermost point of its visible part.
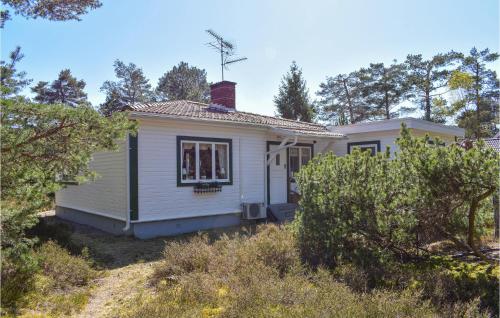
(226, 50)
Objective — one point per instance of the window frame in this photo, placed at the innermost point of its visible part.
(299, 148)
(204, 140)
(367, 144)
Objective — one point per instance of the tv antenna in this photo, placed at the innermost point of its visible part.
(226, 50)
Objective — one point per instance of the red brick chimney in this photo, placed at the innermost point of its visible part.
(223, 93)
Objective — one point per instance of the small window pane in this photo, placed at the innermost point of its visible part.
(188, 161)
(205, 161)
(221, 168)
(277, 159)
(306, 155)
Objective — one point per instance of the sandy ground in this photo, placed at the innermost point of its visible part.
(117, 289)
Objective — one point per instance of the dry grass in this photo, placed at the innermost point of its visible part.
(258, 276)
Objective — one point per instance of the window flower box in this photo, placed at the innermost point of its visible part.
(207, 187)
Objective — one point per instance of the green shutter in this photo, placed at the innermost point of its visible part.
(133, 177)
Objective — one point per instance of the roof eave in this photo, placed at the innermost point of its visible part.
(294, 133)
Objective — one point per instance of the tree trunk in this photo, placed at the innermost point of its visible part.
(387, 110)
(427, 88)
(351, 113)
(474, 204)
(472, 222)
(478, 101)
(496, 214)
(427, 106)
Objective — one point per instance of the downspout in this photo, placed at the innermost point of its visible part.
(127, 159)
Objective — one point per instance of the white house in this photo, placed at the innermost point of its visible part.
(195, 166)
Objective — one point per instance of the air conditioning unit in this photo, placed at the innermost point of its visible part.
(253, 211)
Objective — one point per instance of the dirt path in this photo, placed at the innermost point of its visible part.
(116, 289)
(125, 262)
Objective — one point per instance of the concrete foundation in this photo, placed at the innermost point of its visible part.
(146, 230)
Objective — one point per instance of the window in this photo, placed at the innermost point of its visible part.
(372, 146)
(203, 160)
(299, 156)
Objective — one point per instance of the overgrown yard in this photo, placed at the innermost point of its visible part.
(238, 272)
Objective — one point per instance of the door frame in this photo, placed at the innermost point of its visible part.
(268, 181)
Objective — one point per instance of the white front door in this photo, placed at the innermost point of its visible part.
(277, 176)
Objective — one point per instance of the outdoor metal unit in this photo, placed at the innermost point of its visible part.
(253, 211)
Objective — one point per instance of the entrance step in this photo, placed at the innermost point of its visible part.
(284, 212)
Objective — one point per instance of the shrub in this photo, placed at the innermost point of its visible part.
(66, 271)
(351, 209)
(370, 209)
(260, 276)
(446, 281)
(19, 266)
(46, 230)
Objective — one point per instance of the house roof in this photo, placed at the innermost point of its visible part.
(493, 143)
(183, 109)
(395, 124)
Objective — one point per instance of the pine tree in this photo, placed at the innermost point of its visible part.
(12, 82)
(132, 87)
(66, 89)
(478, 90)
(342, 99)
(427, 78)
(386, 88)
(184, 82)
(52, 9)
(292, 101)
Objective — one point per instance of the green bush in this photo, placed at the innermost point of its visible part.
(370, 210)
(19, 266)
(446, 281)
(352, 209)
(66, 271)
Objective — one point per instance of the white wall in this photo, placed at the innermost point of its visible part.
(159, 195)
(386, 138)
(107, 195)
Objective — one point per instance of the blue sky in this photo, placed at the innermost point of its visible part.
(324, 37)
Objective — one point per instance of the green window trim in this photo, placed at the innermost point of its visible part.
(133, 177)
(351, 145)
(181, 139)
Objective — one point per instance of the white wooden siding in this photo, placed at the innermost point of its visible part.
(386, 138)
(161, 198)
(107, 195)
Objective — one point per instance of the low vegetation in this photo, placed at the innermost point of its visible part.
(262, 275)
(59, 282)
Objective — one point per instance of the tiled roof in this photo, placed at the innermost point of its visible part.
(193, 110)
(493, 143)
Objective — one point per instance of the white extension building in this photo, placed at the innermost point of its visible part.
(195, 166)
